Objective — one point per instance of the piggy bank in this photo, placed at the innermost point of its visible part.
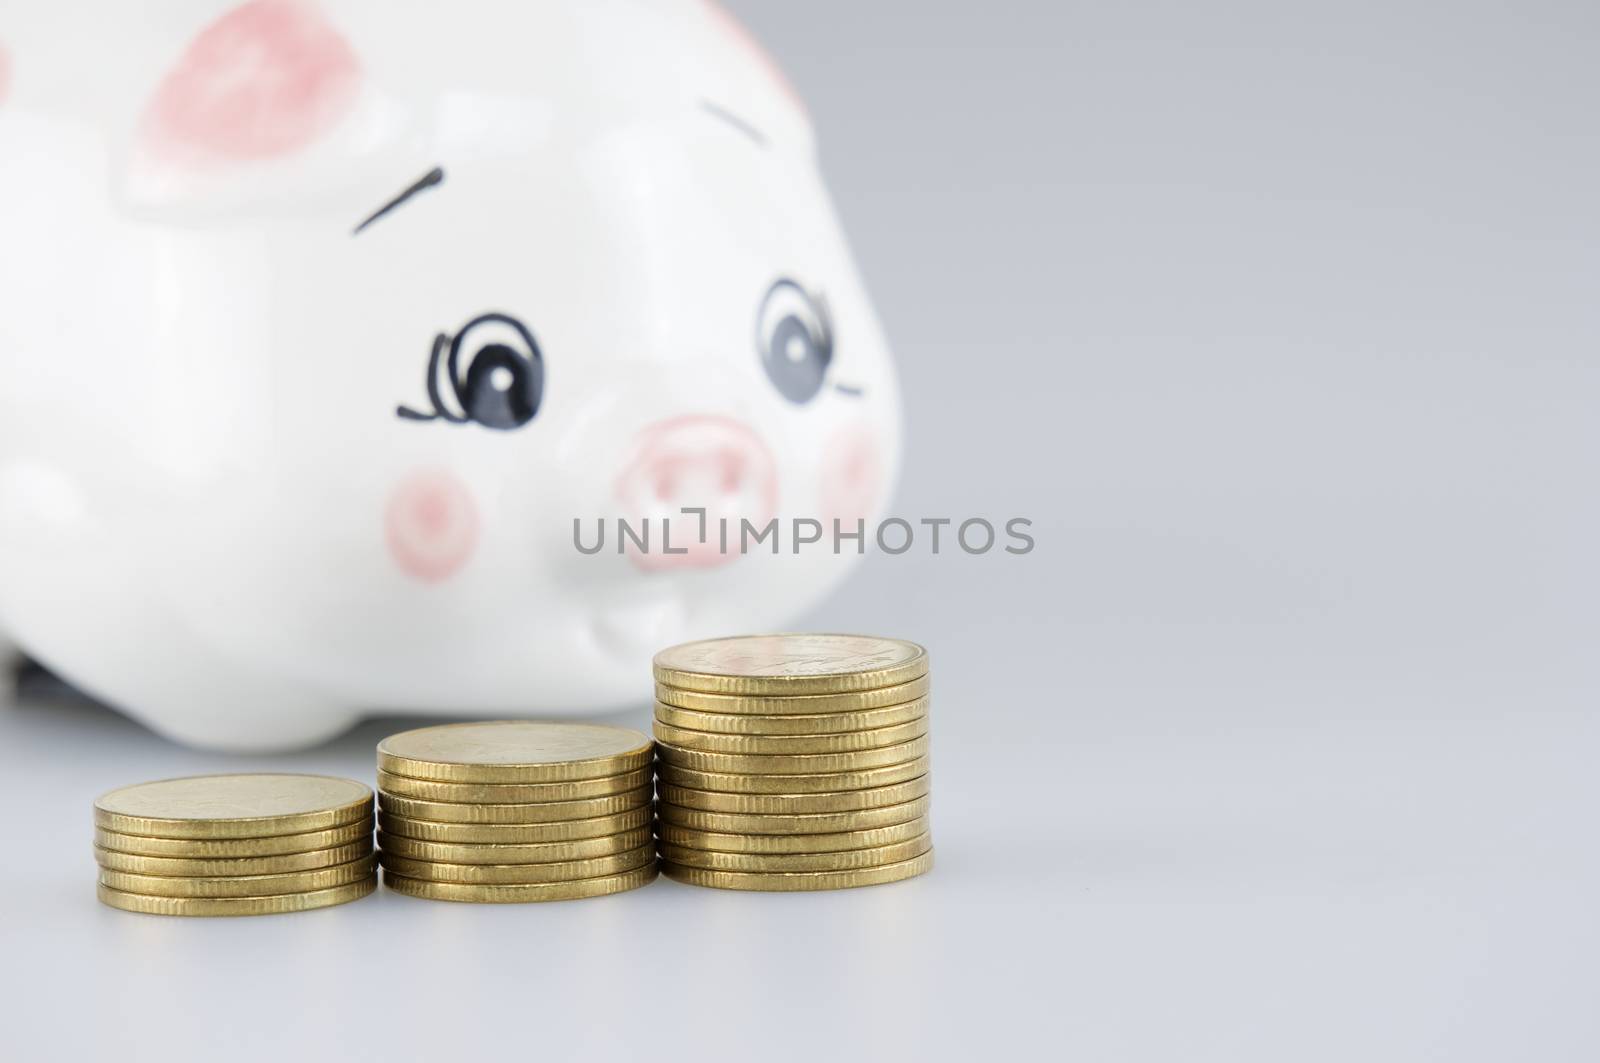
(337, 337)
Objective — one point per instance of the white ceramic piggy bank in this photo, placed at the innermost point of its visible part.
(321, 323)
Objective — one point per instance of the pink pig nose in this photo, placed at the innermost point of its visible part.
(710, 463)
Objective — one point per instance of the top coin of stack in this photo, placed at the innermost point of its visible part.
(793, 762)
(235, 844)
(515, 811)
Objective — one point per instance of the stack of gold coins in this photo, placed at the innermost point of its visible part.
(235, 844)
(512, 812)
(793, 762)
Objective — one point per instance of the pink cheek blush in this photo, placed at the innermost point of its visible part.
(852, 476)
(431, 526)
(264, 81)
(5, 75)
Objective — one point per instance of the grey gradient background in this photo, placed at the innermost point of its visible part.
(1280, 320)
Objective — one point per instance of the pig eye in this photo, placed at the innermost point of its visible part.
(794, 340)
(490, 373)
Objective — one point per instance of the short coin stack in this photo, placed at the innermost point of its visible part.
(515, 811)
(235, 844)
(793, 762)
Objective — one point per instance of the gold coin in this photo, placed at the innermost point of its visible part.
(514, 833)
(512, 793)
(792, 843)
(790, 664)
(800, 880)
(233, 806)
(707, 742)
(815, 823)
(793, 704)
(274, 905)
(844, 860)
(521, 893)
(234, 848)
(786, 764)
(539, 812)
(243, 885)
(546, 853)
(183, 867)
(793, 804)
(825, 724)
(514, 752)
(829, 782)
(513, 874)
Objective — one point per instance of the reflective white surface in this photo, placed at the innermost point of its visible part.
(1125, 882)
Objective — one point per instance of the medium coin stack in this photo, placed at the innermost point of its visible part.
(235, 845)
(513, 812)
(792, 762)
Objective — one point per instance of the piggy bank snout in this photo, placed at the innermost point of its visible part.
(711, 463)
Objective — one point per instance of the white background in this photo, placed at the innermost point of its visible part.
(1280, 322)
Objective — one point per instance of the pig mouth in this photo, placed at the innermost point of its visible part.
(629, 633)
(695, 480)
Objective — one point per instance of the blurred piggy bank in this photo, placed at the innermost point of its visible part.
(334, 336)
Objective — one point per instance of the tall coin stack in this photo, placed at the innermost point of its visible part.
(793, 762)
(512, 812)
(235, 845)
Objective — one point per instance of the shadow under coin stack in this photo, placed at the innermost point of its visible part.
(235, 845)
(793, 762)
(511, 812)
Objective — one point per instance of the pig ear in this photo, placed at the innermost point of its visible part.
(734, 30)
(264, 81)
